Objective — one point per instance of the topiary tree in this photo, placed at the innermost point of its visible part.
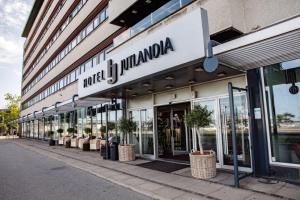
(126, 126)
(71, 131)
(88, 131)
(60, 131)
(50, 134)
(110, 125)
(197, 119)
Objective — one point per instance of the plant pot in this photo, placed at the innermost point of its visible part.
(68, 144)
(126, 152)
(51, 142)
(86, 146)
(203, 166)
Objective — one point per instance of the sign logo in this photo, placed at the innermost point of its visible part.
(114, 70)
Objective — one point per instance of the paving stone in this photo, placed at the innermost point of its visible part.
(261, 197)
(231, 193)
(290, 191)
(149, 186)
(204, 187)
(169, 193)
(190, 197)
(134, 181)
(92, 162)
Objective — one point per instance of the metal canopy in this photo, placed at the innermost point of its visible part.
(66, 106)
(274, 44)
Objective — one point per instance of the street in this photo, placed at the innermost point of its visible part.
(28, 175)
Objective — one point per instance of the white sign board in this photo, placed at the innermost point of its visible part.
(182, 39)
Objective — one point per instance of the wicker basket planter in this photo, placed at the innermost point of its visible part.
(126, 152)
(203, 166)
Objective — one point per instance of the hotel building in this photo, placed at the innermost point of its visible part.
(87, 63)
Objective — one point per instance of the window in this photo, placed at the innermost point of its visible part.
(89, 28)
(282, 83)
(103, 15)
(83, 34)
(73, 43)
(96, 21)
(88, 65)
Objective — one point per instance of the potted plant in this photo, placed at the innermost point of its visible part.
(71, 131)
(51, 140)
(60, 131)
(126, 151)
(86, 142)
(203, 162)
(61, 139)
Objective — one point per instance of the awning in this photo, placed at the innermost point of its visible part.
(274, 44)
(63, 107)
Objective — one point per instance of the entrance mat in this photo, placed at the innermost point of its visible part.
(162, 166)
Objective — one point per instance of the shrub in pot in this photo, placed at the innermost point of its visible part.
(60, 131)
(61, 139)
(71, 131)
(51, 140)
(126, 151)
(86, 143)
(203, 162)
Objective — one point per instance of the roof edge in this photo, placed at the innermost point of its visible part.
(32, 16)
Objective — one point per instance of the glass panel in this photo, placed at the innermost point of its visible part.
(210, 133)
(135, 137)
(242, 131)
(147, 131)
(172, 132)
(282, 84)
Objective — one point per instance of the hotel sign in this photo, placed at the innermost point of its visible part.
(113, 72)
(175, 42)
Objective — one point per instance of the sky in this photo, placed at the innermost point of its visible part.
(13, 16)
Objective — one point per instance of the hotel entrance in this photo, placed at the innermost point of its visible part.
(218, 136)
(173, 136)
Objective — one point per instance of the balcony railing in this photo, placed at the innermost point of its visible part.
(156, 16)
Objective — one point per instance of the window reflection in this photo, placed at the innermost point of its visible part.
(283, 98)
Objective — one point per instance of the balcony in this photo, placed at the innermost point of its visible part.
(160, 14)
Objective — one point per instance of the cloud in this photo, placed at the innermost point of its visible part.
(14, 13)
(13, 16)
(10, 51)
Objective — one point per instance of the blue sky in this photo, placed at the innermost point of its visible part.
(13, 15)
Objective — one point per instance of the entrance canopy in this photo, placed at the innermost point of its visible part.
(62, 107)
(274, 44)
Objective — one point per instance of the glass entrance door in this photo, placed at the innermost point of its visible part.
(217, 136)
(172, 132)
(242, 131)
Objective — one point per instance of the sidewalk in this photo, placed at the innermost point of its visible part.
(161, 185)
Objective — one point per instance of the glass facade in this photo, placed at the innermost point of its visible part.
(282, 82)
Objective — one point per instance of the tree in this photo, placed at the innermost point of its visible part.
(11, 113)
(285, 117)
(197, 119)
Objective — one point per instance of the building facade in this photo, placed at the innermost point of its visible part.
(88, 63)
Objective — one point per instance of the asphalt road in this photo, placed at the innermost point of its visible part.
(26, 175)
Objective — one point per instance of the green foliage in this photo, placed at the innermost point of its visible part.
(111, 126)
(126, 126)
(199, 117)
(87, 130)
(50, 134)
(285, 118)
(11, 113)
(60, 130)
(70, 130)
